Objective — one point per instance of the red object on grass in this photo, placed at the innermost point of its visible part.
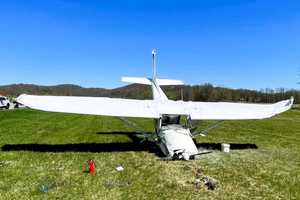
(91, 165)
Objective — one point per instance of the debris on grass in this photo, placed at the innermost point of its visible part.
(210, 183)
(50, 184)
(116, 184)
(119, 168)
(202, 180)
(44, 188)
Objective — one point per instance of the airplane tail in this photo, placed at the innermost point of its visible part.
(155, 83)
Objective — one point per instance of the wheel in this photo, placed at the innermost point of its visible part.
(7, 106)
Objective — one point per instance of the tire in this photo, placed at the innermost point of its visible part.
(7, 106)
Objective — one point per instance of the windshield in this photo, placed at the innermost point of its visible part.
(170, 119)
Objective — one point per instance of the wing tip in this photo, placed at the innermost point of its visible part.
(291, 100)
(283, 106)
(20, 98)
(289, 103)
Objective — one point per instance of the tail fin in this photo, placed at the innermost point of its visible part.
(157, 92)
(154, 63)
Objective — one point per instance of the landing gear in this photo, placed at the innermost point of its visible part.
(7, 106)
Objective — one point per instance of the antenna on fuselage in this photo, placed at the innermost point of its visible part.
(154, 52)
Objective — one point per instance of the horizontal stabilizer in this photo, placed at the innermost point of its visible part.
(169, 82)
(139, 80)
(147, 81)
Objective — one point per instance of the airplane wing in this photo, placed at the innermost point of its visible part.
(236, 111)
(154, 108)
(91, 105)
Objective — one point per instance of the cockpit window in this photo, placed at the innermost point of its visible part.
(170, 119)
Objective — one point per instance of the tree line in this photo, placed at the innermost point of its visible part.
(205, 92)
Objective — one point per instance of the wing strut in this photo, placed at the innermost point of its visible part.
(131, 125)
(212, 126)
(144, 136)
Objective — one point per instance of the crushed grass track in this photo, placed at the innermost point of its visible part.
(50, 149)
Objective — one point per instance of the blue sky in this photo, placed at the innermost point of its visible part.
(238, 44)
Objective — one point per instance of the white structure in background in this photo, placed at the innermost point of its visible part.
(175, 140)
(4, 102)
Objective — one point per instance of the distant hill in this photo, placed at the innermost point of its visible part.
(205, 92)
(130, 91)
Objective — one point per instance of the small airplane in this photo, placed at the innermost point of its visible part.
(174, 139)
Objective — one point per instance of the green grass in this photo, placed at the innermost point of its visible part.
(270, 172)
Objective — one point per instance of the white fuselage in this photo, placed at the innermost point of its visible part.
(175, 141)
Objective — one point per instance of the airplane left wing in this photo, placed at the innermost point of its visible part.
(91, 105)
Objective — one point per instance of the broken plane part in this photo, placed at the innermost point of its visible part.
(176, 141)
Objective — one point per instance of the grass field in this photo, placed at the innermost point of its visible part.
(49, 150)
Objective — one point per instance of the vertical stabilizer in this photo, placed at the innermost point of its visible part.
(154, 64)
(157, 92)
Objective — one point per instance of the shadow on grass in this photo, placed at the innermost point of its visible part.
(78, 147)
(131, 135)
(233, 146)
(135, 145)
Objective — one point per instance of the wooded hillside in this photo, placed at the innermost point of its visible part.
(205, 92)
